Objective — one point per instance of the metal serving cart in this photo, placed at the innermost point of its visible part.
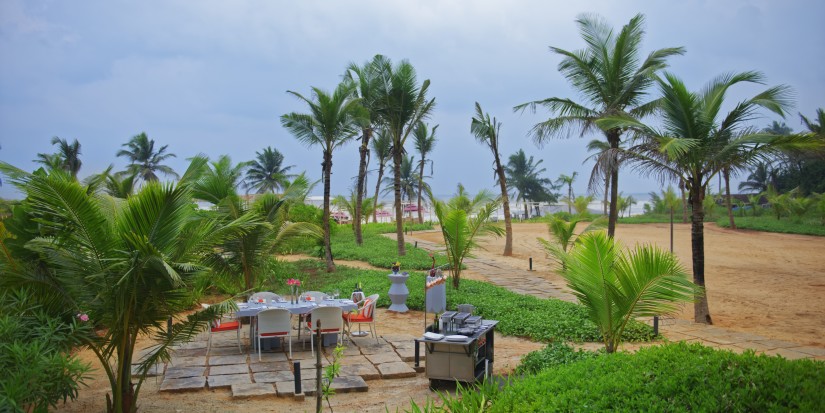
(452, 358)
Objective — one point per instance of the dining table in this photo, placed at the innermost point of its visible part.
(299, 308)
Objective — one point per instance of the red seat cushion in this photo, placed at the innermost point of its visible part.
(227, 326)
(359, 318)
(282, 333)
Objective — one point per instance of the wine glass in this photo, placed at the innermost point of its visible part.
(335, 293)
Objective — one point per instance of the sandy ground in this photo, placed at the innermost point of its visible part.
(768, 284)
(763, 283)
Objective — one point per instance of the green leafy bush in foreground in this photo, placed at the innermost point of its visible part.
(672, 377)
(555, 354)
(539, 319)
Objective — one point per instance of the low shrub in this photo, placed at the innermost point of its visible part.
(555, 354)
(672, 377)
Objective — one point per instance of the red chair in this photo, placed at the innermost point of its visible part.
(218, 326)
(365, 315)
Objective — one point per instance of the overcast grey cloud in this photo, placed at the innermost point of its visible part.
(210, 76)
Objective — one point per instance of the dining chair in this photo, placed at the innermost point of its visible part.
(331, 321)
(267, 296)
(274, 322)
(317, 296)
(218, 326)
(364, 315)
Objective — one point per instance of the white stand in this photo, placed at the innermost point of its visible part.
(398, 292)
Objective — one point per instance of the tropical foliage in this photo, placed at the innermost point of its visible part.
(267, 173)
(618, 286)
(523, 176)
(144, 161)
(613, 79)
(424, 142)
(563, 235)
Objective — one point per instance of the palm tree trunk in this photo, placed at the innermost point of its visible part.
(377, 188)
(684, 202)
(726, 174)
(613, 139)
(526, 211)
(606, 192)
(327, 171)
(420, 190)
(505, 203)
(399, 216)
(362, 175)
(569, 198)
(701, 311)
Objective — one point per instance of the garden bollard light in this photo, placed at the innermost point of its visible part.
(297, 368)
(531, 263)
(656, 325)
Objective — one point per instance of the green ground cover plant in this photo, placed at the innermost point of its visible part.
(545, 320)
(808, 226)
(555, 354)
(676, 377)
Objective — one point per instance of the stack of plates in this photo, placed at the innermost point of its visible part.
(433, 336)
(457, 338)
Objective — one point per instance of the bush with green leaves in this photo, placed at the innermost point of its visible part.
(672, 377)
(38, 369)
(555, 354)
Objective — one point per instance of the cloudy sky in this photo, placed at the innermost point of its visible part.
(211, 76)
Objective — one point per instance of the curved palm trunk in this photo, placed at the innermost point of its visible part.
(505, 204)
(327, 171)
(377, 188)
(399, 216)
(701, 311)
(613, 139)
(362, 175)
(684, 202)
(420, 190)
(726, 175)
(570, 198)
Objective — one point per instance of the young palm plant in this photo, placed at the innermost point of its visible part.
(563, 235)
(332, 121)
(616, 286)
(460, 230)
(128, 265)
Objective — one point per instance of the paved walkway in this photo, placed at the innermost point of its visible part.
(529, 283)
(192, 368)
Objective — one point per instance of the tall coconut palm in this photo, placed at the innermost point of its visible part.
(144, 161)
(267, 172)
(128, 265)
(695, 144)
(401, 104)
(759, 179)
(69, 155)
(612, 78)
(599, 176)
(424, 142)
(408, 180)
(486, 131)
(523, 176)
(332, 121)
(460, 230)
(568, 180)
(381, 147)
(366, 78)
(616, 286)
(219, 180)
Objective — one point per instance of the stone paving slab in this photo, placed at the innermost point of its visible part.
(228, 369)
(407, 354)
(188, 352)
(253, 390)
(269, 366)
(192, 345)
(813, 351)
(285, 388)
(274, 376)
(395, 370)
(233, 359)
(380, 358)
(225, 351)
(154, 371)
(190, 361)
(348, 384)
(365, 370)
(375, 349)
(267, 357)
(350, 360)
(180, 372)
(787, 353)
(227, 380)
(183, 384)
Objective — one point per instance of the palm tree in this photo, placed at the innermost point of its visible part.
(219, 180)
(600, 169)
(563, 234)
(267, 173)
(462, 200)
(616, 286)
(408, 180)
(816, 126)
(128, 265)
(52, 162)
(348, 204)
(144, 161)
(568, 180)
(366, 78)
(332, 121)
(460, 230)
(759, 178)
(401, 104)
(612, 78)
(486, 131)
(523, 176)
(69, 155)
(424, 141)
(581, 203)
(381, 147)
(696, 142)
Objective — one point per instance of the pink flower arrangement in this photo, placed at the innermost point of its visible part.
(83, 317)
(293, 281)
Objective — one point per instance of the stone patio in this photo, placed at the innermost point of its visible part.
(191, 369)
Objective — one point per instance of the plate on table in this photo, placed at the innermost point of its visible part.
(457, 337)
(433, 336)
